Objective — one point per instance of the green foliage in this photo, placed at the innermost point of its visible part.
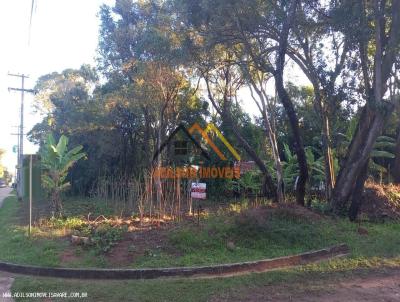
(152, 55)
(68, 222)
(383, 150)
(56, 161)
(105, 236)
(290, 167)
(321, 206)
(315, 167)
(248, 183)
(2, 169)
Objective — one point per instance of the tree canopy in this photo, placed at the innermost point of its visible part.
(164, 63)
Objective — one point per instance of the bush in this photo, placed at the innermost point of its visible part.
(69, 223)
(106, 236)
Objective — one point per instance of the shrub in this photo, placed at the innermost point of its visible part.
(106, 236)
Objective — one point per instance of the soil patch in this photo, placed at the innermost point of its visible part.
(68, 256)
(139, 243)
(381, 202)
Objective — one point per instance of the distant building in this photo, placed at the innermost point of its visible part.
(246, 166)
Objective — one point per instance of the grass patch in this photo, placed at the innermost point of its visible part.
(251, 235)
(17, 247)
(184, 290)
(280, 236)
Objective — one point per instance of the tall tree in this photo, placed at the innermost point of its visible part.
(262, 29)
(316, 43)
(377, 23)
(223, 80)
(257, 82)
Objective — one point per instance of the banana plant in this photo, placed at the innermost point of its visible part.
(316, 167)
(382, 149)
(291, 171)
(56, 161)
(290, 167)
(249, 182)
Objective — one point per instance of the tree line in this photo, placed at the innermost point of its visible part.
(161, 63)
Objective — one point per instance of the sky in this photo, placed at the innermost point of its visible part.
(63, 34)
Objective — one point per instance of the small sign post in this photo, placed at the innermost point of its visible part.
(30, 194)
(198, 191)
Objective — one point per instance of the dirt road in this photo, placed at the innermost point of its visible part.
(370, 287)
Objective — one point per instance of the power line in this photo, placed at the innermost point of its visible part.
(30, 22)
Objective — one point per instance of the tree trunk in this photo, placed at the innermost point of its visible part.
(328, 156)
(268, 189)
(357, 195)
(277, 161)
(271, 134)
(374, 114)
(298, 142)
(146, 137)
(158, 164)
(57, 203)
(288, 104)
(325, 139)
(329, 164)
(358, 155)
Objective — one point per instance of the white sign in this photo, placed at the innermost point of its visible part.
(198, 190)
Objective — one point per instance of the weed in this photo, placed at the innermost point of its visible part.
(104, 237)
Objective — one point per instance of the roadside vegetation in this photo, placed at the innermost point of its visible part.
(291, 281)
(225, 234)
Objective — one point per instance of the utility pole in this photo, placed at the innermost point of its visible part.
(17, 151)
(30, 194)
(20, 179)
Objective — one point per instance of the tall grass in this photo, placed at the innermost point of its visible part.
(127, 194)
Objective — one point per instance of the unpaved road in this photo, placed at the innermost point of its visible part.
(371, 287)
(5, 280)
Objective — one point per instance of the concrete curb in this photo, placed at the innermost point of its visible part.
(200, 271)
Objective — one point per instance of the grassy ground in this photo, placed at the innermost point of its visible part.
(254, 235)
(282, 232)
(187, 290)
(280, 237)
(17, 247)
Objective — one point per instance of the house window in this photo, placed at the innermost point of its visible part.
(181, 147)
